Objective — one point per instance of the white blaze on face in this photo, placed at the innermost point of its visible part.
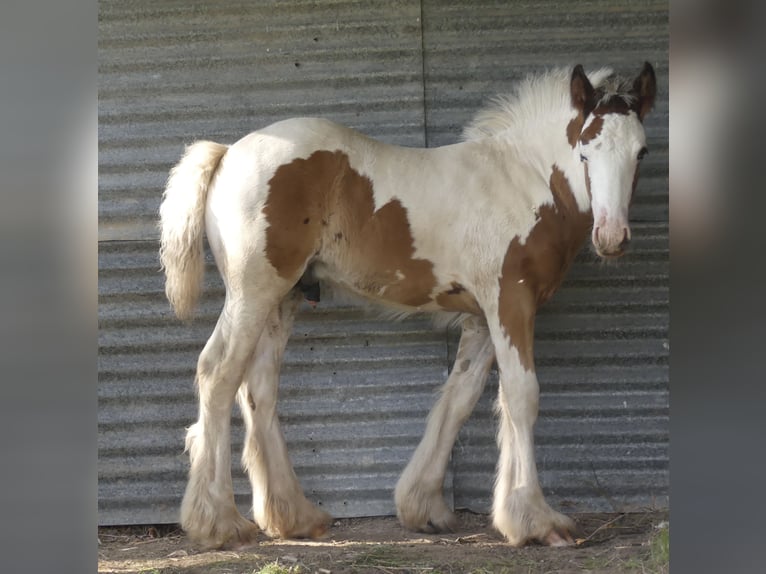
(612, 156)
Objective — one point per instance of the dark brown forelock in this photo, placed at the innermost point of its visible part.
(615, 104)
(615, 95)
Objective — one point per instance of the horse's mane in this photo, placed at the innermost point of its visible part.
(542, 96)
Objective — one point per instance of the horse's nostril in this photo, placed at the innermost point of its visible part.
(625, 238)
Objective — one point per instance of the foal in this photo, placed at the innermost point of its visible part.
(485, 229)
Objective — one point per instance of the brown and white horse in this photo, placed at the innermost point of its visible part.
(485, 229)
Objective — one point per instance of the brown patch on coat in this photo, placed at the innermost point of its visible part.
(384, 249)
(593, 130)
(615, 105)
(574, 128)
(296, 201)
(532, 271)
(315, 202)
(457, 298)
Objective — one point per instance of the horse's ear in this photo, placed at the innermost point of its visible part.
(581, 91)
(645, 90)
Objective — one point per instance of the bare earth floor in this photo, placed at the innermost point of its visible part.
(635, 542)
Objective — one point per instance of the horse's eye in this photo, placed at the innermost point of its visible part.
(583, 158)
(642, 153)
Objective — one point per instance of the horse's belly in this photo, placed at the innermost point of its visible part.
(414, 292)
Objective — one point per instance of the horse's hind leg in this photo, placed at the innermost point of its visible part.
(279, 505)
(419, 500)
(208, 512)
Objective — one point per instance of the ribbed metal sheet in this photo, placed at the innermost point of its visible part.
(355, 390)
(171, 72)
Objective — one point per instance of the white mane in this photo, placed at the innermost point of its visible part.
(536, 97)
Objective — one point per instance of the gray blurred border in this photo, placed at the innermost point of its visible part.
(48, 249)
(718, 308)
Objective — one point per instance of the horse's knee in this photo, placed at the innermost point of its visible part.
(206, 365)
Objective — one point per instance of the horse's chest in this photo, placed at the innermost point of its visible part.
(541, 261)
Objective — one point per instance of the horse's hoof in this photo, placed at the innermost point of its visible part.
(446, 522)
(244, 537)
(240, 534)
(430, 515)
(560, 537)
(320, 530)
(315, 525)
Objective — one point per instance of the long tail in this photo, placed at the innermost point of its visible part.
(182, 224)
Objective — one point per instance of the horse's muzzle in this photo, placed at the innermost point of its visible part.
(611, 241)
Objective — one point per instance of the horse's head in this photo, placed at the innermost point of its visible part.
(611, 144)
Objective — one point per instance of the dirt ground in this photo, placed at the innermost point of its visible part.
(636, 542)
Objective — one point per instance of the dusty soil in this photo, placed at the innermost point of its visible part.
(609, 543)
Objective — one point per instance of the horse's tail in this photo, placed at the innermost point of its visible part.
(182, 224)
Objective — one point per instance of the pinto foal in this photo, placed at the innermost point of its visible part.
(485, 229)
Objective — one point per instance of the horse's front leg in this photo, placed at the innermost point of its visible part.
(519, 509)
(419, 500)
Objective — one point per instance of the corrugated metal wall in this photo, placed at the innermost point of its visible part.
(352, 396)
(355, 389)
(171, 72)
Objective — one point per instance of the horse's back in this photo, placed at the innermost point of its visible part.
(285, 140)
